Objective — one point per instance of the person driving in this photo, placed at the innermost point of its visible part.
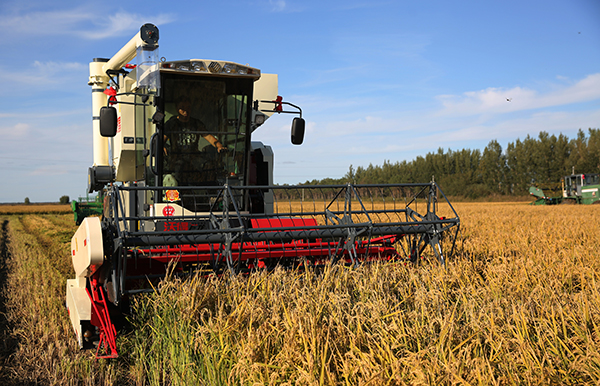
(188, 129)
(188, 158)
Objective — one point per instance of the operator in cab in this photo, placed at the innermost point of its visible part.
(190, 150)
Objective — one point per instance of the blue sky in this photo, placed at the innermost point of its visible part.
(377, 80)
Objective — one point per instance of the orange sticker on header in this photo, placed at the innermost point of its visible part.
(172, 195)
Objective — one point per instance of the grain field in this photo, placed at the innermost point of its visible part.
(518, 304)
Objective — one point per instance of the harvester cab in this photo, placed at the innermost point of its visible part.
(582, 188)
(185, 190)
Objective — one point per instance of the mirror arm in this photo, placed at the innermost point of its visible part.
(299, 112)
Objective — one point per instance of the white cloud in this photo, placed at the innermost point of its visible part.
(42, 74)
(123, 22)
(54, 22)
(499, 100)
(48, 170)
(52, 113)
(509, 130)
(52, 69)
(284, 6)
(278, 5)
(84, 21)
(17, 131)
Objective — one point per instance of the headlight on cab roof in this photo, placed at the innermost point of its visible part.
(231, 68)
(198, 66)
(214, 67)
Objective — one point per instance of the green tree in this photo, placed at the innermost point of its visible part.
(27, 202)
(594, 151)
(64, 200)
(521, 165)
(585, 154)
(562, 152)
(551, 156)
(350, 175)
(473, 173)
(493, 167)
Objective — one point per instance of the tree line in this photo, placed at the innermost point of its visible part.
(540, 161)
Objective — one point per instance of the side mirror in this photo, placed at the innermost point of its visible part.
(297, 131)
(108, 121)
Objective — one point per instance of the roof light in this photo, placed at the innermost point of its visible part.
(198, 67)
(214, 67)
(229, 68)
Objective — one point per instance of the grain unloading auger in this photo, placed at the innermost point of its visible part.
(186, 191)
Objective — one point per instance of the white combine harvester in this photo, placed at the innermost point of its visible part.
(185, 189)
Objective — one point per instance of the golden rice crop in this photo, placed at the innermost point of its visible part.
(518, 304)
(8, 209)
(38, 264)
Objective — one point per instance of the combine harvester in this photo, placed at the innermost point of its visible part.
(185, 190)
(576, 189)
(85, 207)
